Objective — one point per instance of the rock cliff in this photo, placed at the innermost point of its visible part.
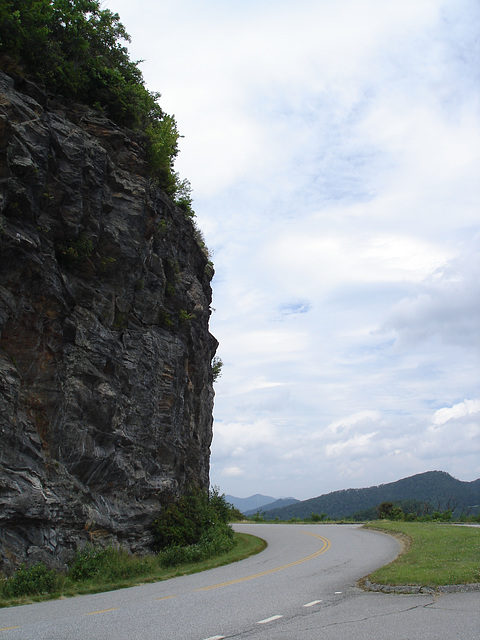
(106, 390)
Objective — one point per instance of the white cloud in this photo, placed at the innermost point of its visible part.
(232, 472)
(352, 448)
(347, 423)
(236, 438)
(334, 153)
(465, 408)
(445, 305)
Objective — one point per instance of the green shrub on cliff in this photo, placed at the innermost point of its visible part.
(193, 527)
(27, 581)
(76, 49)
(214, 542)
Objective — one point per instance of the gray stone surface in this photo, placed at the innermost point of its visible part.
(106, 389)
(415, 588)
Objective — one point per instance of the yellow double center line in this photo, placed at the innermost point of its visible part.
(325, 547)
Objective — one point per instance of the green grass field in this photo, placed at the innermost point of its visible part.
(434, 555)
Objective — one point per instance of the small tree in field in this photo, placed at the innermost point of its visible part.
(388, 511)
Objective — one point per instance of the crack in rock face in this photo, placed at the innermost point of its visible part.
(106, 385)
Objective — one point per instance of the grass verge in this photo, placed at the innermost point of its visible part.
(435, 555)
(129, 571)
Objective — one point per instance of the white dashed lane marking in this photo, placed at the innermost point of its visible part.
(311, 604)
(271, 619)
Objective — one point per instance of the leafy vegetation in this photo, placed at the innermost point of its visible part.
(195, 518)
(391, 511)
(76, 252)
(34, 580)
(214, 541)
(191, 534)
(437, 555)
(95, 565)
(77, 49)
(387, 510)
(217, 365)
(108, 569)
(185, 317)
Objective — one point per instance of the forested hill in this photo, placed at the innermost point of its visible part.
(437, 488)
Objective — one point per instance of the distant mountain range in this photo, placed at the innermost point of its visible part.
(437, 488)
(252, 504)
(277, 504)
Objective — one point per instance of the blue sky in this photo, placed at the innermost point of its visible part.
(334, 153)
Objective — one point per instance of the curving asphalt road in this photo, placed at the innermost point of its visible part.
(302, 587)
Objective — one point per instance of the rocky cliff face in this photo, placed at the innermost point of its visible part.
(105, 354)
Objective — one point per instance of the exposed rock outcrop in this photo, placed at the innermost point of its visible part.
(106, 390)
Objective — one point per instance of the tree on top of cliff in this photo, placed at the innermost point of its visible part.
(75, 48)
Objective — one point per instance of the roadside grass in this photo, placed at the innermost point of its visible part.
(434, 554)
(123, 570)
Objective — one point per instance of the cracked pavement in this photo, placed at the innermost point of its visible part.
(378, 616)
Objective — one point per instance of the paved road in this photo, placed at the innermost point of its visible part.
(301, 587)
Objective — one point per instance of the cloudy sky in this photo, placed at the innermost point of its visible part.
(333, 147)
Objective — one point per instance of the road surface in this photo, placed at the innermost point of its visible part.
(302, 587)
